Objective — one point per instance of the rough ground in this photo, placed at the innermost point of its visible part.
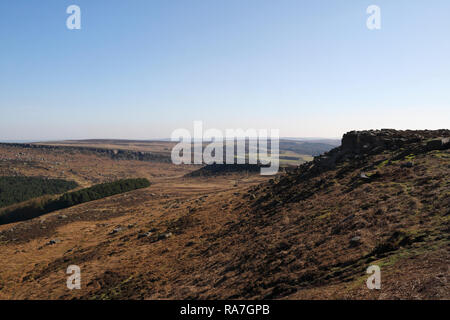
(382, 198)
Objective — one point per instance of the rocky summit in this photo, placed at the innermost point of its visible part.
(362, 144)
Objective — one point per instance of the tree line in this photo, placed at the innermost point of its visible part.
(73, 198)
(18, 189)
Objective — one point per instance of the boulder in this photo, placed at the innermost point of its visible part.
(165, 235)
(355, 241)
(363, 175)
(144, 235)
(53, 241)
(116, 230)
(408, 164)
(438, 144)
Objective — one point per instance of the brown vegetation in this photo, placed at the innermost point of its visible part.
(382, 198)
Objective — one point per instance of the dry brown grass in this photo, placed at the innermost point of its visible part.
(234, 237)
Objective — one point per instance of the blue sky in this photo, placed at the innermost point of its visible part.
(143, 68)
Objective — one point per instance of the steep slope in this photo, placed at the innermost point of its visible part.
(382, 198)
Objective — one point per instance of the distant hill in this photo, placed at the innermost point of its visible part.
(293, 151)
(334, 142)
(308, 148)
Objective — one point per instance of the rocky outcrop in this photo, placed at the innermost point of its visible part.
(111, 153)
(357, 145)
(389, 139)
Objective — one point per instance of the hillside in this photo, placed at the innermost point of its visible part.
(292, 152)
(380, 198)
(222, 169)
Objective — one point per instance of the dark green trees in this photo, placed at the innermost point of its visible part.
(73, 198)
(18, 189)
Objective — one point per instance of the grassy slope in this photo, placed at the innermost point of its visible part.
(287, 238)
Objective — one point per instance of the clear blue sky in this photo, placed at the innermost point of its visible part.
(142, 68)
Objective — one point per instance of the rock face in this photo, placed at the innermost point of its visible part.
(360, 141)
(437, 144)
(358, 144)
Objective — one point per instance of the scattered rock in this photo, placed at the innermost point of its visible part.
(348, 217)
(144, 235)
(408, 164)
(369, 176)
(164, 235)
(53, 241)
(116, 230)
(355, 241)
